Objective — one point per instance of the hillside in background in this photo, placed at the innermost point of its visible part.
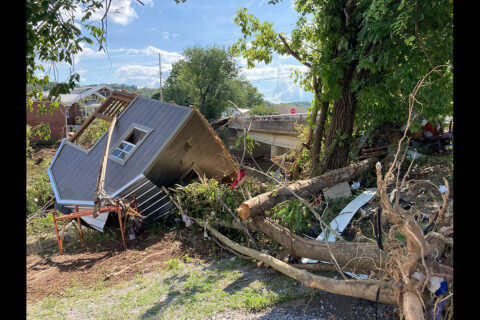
(148, 92)
(304, 104)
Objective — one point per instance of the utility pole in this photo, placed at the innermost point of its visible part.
(160, 69)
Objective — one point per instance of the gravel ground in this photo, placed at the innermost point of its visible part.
(323, 306)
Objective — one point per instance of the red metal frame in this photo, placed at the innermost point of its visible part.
(77, 214)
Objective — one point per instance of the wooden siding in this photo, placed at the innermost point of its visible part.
(193, 147)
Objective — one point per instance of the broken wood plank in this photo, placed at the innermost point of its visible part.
(103, 117)
(302, 188)
(103, 168)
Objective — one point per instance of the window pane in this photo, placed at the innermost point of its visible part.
(127, 147)
(119, 154)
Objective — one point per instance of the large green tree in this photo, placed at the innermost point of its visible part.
(364, 58)
(208, 78)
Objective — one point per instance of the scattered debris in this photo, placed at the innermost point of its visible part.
(343, 219)
(355, 185)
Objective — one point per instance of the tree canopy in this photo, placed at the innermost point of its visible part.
(364, 58)
(56, 31)
(208, 78)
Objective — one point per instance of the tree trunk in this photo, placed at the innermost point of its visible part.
(412, 306)
(317, 143)
(337, 143)
(354, 257)
(362, 257)
(302, 188)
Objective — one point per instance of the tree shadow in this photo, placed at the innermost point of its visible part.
(153, 312)
(66, 266)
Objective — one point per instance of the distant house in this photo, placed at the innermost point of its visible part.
(153, 144)
(81, 102)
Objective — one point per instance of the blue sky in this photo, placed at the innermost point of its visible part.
(136, 33)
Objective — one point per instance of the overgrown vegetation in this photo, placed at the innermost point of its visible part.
(93, 132)
(39, 190)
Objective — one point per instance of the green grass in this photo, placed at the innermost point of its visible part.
(187, 291)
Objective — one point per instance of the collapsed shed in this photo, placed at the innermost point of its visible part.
(153, 145)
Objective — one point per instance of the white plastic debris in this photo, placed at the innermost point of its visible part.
(356, 276)
(131, 234)
(437, 286)
(442, 188)
(355, 185)
(412, 155)
(187, 220)
(418, 276)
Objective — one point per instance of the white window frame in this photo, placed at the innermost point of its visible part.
(134, 146)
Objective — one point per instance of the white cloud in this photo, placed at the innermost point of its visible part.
(168, 57)
(120, 11)
(167, 35)
(136, 72)
(87, 52)
(281, 70)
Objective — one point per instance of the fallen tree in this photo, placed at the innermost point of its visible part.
(374, 290)
(268, 200)
(352, 256)
(402, 269)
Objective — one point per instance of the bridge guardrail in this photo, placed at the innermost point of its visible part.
(275, 117)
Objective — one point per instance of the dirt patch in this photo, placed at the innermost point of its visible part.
(42, 152)
(48, 275)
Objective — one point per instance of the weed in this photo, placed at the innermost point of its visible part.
(186, 258)
(173, 264)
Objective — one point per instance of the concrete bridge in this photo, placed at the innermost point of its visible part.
(278, 131)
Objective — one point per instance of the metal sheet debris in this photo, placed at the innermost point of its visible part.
(97, 223)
